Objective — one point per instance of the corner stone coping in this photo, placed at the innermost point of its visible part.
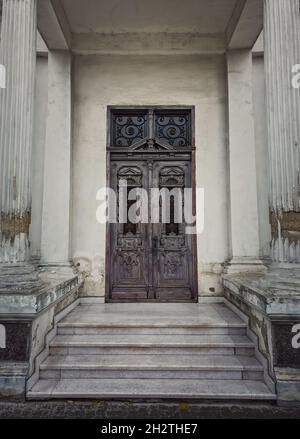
(57, 286)
(271, 297)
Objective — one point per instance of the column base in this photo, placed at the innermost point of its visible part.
(59, 268)
(245, 265)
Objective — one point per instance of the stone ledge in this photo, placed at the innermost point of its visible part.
(27, 319)
(58, 284)
(275, 294)
(287, 374)
(13, 369)
(272, 303)
(288, 385)
(12, 380)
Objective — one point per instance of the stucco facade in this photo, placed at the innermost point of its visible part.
(151, 80)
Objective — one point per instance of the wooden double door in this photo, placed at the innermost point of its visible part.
(151, 257)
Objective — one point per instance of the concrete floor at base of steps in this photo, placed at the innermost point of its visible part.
(108, 410)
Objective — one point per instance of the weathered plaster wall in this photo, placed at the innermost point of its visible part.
(261, 155)
(149, 80)
(38, 153)
(143, 80)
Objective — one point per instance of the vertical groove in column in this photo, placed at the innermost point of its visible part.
(282, 52)
(18, 55)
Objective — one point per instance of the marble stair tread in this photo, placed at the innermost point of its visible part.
(152, 324)
(146, 314)
(154, 330)
(142, 388)
(152, 362)
(92, 340)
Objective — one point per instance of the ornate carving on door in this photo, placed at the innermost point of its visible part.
(151, 148)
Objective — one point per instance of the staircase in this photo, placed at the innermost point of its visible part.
(170, 351)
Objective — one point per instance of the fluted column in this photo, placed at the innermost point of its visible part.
(18, 55)
(282, 53)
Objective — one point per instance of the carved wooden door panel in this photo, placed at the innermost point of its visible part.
(172, 247)
(129, 244)
(151, 149)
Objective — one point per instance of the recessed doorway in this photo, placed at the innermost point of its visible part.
(151, 150)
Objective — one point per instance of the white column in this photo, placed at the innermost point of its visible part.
(242, 167)
(282, 54)
(18, 55)
(55, 246)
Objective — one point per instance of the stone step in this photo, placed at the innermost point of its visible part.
(151, 367)
(163, 352)
(152, 314)
(151, 344)
(86, 329)
(186, 389)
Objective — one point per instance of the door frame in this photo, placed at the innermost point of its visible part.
(107, 279)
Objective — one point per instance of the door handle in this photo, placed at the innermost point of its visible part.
(154, 242)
